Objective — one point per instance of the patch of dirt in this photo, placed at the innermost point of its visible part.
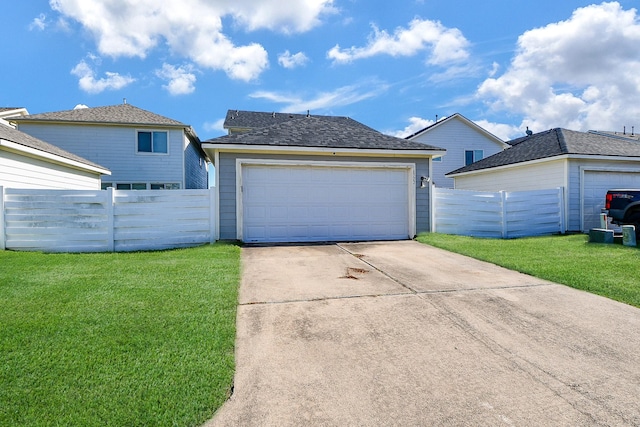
(353, 270)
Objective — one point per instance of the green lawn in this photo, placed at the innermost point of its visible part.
(117, 339)
(607, 270)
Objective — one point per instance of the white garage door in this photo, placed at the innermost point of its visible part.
(282, 203)
(596, 184)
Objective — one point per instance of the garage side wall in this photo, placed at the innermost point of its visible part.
(227, 174)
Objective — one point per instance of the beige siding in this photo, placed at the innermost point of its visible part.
(536, 176)
(18, 171)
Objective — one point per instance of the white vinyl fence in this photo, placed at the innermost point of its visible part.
(105, 220)
(501, 215)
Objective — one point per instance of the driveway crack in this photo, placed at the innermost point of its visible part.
(361, 258)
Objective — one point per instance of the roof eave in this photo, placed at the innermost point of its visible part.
(279, 149)
(19, 120)
(510, 165)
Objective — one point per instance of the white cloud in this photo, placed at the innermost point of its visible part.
(39, 23)
(416, 124)
(495, 67)
(445, 45)
(342, 96)
(88, 82)
(192, 28)
(217, 126)
(582, 73)
(181, 80)
(287, 60)
(501, 130)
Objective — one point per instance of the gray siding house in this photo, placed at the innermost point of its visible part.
(28, 162)
(309, 178)
(142, 149)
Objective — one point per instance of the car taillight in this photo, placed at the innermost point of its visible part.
(607, 204)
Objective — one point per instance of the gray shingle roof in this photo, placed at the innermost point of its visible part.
(21, 138)
(317, 131)
(255, 119)
(114, 114)
(557, 142)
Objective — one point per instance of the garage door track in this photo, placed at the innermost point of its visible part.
(400, 333)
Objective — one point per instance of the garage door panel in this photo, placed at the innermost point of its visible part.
(596, 185)
(317, 203)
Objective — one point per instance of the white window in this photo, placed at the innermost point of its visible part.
(471, 156)
(152, 142)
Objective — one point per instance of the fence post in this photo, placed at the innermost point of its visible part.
(2, 226)
(109, 202)
(212, 215)
(503, 219)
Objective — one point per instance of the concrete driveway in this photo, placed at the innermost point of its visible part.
(400, 333)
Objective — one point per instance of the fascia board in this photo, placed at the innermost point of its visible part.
(233, 148)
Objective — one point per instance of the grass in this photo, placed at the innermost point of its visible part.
(115, 339)
(607, 270)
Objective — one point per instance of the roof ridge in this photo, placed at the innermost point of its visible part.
(124, 114)
(561, 140)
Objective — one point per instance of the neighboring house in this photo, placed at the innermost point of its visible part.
(9, 112)
(585, 164)
(465, 142)
(306, 178)
(28, 162)
(143, 150)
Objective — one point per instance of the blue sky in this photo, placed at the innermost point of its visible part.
(394, 66)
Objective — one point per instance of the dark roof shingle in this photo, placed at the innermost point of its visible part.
(239, 119)
(556, 142)
(113, 114)
(9, 134)
(321, 131)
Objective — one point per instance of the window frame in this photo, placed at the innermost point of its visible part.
(474, 156)
(152, 132)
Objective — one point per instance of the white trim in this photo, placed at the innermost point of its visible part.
(411, 182)
(584, 169)
(549, 159)
(266, 149)
(216, 165)
(184, 163)
(510, 166)
(50, 157)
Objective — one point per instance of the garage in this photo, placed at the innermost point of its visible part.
(596, 185)
(282, 177)
(333, 201)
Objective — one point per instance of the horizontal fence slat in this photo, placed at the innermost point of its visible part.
(103, 220)
(498, 214)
